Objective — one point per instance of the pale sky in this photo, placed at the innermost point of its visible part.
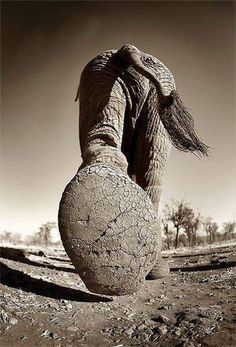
(44, 49)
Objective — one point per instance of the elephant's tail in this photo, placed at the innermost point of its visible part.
(174, 115)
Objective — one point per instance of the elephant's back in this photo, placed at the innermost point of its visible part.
(108, 60)
(105, 60)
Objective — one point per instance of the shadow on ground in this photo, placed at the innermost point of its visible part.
(20, 255)
(19, 280)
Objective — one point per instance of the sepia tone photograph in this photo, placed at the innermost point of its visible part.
(118, 173)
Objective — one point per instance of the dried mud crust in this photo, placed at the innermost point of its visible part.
(109, 230)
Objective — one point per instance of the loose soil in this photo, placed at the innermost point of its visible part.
(45, 303)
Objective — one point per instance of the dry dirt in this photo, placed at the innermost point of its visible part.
(44, 303)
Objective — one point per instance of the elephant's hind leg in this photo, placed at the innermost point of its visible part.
(152, 150)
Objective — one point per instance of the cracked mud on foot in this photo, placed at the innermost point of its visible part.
(109, 229)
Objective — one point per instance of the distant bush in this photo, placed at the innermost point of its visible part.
(183, 227)
(229, 231)
(11, 238)
(43, 237)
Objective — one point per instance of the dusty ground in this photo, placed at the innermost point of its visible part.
(44, 303)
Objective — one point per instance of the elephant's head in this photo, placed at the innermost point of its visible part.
(174, 115)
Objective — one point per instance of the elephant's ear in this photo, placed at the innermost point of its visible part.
(180, 126)
(174, 115)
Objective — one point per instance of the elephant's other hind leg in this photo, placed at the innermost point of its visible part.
(152, 150)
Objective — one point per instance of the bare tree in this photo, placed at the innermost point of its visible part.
(43, 236)
(191, 227)
(181, 216)
(211, 228)
(169, 234)
(11, 237)
(229, 229)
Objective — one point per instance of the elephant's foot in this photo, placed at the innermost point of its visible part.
(109, 230)
(161, 269)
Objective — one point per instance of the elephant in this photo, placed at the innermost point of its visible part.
(130, 116)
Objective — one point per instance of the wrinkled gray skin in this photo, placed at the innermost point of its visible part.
(119, 121)
(108, 224)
